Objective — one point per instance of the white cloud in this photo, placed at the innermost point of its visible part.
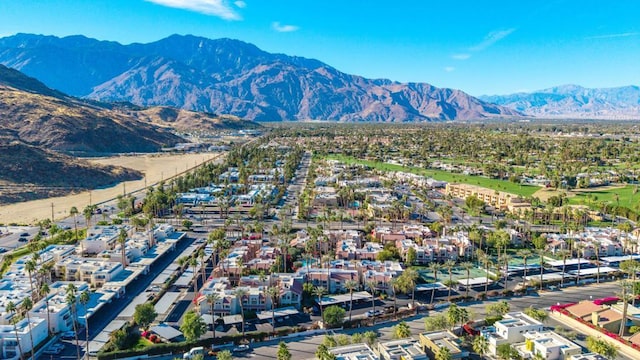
(461, 56)
(449, 69)
(241, 4)
(613, 36)
(283, 28)
(492, 38)
(219, 8)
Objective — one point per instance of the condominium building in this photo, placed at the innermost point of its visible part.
(354, 352)
(403, 349)
(547, 344)
(436, 340)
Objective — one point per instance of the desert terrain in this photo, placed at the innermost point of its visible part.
(156, 167)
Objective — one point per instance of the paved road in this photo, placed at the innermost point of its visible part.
(110, 311)
(304, 348)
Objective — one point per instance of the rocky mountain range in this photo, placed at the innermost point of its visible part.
(573, 101)
(227, 76)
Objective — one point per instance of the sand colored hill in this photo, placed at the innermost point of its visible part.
(155, 168)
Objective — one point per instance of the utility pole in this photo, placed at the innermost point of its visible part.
(52, 213)
(89, 197)
(124, 189)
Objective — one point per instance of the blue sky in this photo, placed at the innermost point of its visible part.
(481, 47)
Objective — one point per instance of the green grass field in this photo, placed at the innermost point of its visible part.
(625, 197)
(441, 175)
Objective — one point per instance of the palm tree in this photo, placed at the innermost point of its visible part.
(241, 293)
(44, 292)
(401, 330)
(579, 249)
(273, 292)
(541, 253)
(596, 246)
(74, 212)
(320, 291)
(27, 305)
(449, 264)
(326, 259)
(371, 285)
(524, 254)
(410, 277)
(194, 262)
(203, 274)
(505, 258)
(563, 254)
(122, 240)
(30, 267)
(395, 283)
(626, 295)
(212, 299)
(88, 213)
(467, 266)
(11, 308)
(435, 267)
(71, 301)
(350, 285)
(480, 345)
(84, 300)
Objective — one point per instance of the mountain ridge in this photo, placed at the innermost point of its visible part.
(570, 100)
(227, 76)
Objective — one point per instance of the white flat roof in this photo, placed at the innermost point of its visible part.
(281, 312)
(549, 277)
(344, 298)
(131, 308)
(165, 302)
(232, 319)
(611, 259)
(474, 281)
(558, 263)
(431, 286)
(186, 278)
(594, 271)
(166, 331)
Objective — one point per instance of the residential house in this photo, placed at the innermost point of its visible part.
(436, 340)
(402, 349)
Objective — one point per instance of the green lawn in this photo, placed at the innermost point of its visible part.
(441, 175)
(625, 197)
(142, 343)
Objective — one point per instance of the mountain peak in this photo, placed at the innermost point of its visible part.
(227, 76)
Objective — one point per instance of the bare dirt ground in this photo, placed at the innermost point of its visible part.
(156, 167)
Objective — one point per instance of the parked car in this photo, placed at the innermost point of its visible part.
(372, 313)
(193, 352)
(54, 349)
(2, 250)
(24, 234)
(23, 239)
(241, 348)
(68, 335)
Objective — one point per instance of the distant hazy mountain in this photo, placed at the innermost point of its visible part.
(575, 101)
(230, 77)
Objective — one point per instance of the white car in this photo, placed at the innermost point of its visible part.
(241, 348)
(372, 313)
